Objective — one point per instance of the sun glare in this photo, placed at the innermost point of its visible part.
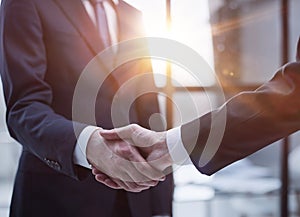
(189, 25)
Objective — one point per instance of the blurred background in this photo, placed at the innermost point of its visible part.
(242, 42)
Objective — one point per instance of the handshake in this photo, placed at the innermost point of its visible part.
(131, 158)
(134, 158)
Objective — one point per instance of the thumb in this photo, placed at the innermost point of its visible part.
(109, 134)
(123, 133)
(143, 138)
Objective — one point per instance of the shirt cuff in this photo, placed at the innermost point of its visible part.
(176, 148)
(79, 154)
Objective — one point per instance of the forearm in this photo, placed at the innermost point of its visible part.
(47, 136)
(79, 155)
(31, 118)
(254, 120)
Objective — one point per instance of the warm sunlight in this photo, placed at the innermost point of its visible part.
(190, 26)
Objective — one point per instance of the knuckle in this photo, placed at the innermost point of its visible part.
(292, 68)
(153, 183)
(134, 126)
(142, 167)
(125, 150)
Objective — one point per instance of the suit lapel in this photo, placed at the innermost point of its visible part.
(128, 22)
(129, 26)
(77, 15)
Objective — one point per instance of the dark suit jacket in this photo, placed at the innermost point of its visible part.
(254, 119)
(45, 45)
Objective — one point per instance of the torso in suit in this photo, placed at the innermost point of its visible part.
(45, 45)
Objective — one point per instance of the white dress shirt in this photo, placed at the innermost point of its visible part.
(112, 20)
(176, 148)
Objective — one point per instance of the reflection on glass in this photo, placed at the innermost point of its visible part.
(190, 26)
(227, 43)
(246, 38)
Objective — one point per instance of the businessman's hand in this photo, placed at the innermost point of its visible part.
(152, 145)
(122, 162)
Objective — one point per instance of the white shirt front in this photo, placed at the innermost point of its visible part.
(112, 19)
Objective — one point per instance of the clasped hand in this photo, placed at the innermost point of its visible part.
(131, 158)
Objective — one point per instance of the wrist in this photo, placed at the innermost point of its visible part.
(176, 147)
(160, 155)
(163, 147)
(79, 154)
(91, 146)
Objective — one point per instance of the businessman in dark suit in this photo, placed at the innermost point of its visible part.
(251, 121)
(45, 45)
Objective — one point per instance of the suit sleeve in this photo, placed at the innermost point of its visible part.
(253, 120)
(30, 119)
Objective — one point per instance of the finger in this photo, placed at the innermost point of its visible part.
(104, 179)
(146, 138)
(142, 137)
(150, 183)
(132, 166)
(142, 171)
(119, 133)
(131, 175)
(149, 172)
(118, 184)
(109, 134)
(130, 186)
(96, 171)
(113, 175)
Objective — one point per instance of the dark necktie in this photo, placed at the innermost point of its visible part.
(101, 21)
